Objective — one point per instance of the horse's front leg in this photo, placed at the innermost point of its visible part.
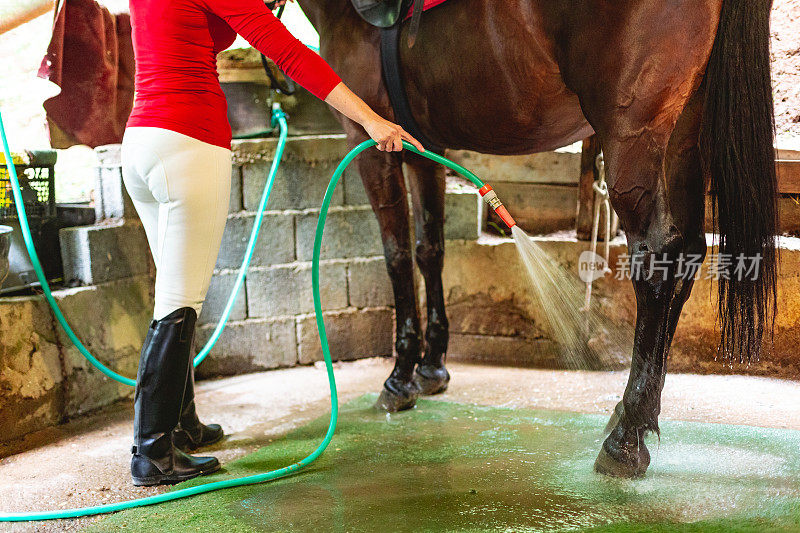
(382, 175)
(427, 183)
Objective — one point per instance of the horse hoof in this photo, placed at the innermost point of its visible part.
(431, 380)
(608, 466)
(392, 402)
(633, 464)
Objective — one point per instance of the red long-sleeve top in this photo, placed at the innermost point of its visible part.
(176, 43)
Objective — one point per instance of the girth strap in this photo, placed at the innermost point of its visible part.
(395, 86)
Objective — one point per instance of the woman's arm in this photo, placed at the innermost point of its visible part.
(388, 135)
(252, 20)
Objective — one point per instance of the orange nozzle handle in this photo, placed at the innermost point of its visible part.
(503, 213)
(495, 203)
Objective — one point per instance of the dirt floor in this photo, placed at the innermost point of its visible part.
(86, 462)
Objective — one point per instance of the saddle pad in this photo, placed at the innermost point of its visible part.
(428, 4)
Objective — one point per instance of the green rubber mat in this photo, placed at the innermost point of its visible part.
(454, 467)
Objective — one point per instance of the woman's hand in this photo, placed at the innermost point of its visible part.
(388, 135)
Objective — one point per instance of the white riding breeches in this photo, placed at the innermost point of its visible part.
(180, 187)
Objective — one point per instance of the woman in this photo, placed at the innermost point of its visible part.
(176, 162)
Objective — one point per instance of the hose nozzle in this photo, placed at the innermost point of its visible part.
(490, 197)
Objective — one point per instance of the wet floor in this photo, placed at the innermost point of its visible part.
(453, 467)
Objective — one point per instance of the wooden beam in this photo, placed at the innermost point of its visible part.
(14, 13)
(583, 224)
(788, 176)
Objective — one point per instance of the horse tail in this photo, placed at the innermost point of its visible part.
(736, 143)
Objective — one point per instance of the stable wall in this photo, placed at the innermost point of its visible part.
(493, 314)
(500, 320)
(273, 324)
(44, 380)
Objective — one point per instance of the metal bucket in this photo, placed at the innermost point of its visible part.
(5, 246)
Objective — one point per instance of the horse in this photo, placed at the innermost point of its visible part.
(679, 94)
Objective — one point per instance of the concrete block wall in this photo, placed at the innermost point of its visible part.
(539, 190)
(273, 324)
(115, 246)
(496, 317)
(44, 380)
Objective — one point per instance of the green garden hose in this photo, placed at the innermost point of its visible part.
(241, 481)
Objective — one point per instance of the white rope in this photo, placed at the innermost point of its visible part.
(602, 200)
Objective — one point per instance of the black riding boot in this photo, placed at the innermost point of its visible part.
(191, 433)
(161, 381)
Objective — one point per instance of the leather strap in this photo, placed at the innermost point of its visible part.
(288, 85)
(395, 86)
(416, 17)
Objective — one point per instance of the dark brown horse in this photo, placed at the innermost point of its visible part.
(677, 90)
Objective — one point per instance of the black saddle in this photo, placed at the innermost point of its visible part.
(390, 13)
(380, 13)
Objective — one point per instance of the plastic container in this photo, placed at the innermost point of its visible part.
(5, 246)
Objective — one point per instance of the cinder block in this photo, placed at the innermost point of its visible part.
(308, 114)
(275, 241)
(538, 208)
(352, 334)
(111, 198)
(297, 185)
(104, 252)
(354, 192)
(309, 148)
(461, 211)
(560, 167)
(286, 290)
(511, 351)
(306, 169)
(237, 198)
(111, 320)
(31, 392)
(349, 232)
(368, 283)
(249, 346)
(217, 298)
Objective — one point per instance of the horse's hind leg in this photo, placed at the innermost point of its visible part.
(382, 175)
(660, 238)
(427, 183)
